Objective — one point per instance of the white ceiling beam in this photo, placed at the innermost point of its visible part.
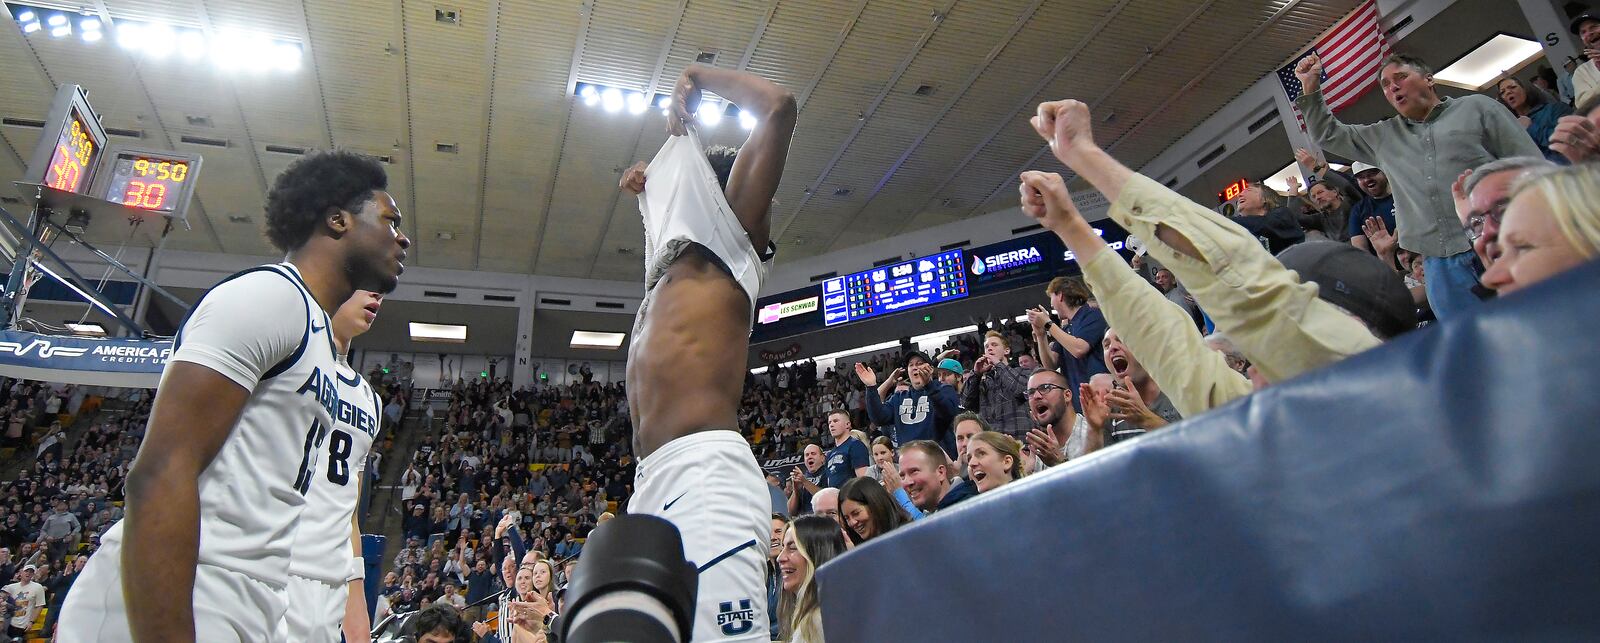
(492, 53)
(585, 13)
(638, 135)
(933, 123)
(866, 115)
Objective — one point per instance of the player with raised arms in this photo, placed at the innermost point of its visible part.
(247, 397)
(703, 225)
(326, 596)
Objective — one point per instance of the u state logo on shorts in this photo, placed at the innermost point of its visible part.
(736, 621)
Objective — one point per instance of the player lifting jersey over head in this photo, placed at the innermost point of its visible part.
(704, 223)
(247, 397)
(325, 567)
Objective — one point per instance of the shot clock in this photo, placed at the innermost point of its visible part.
(158, 181)
(69, 152)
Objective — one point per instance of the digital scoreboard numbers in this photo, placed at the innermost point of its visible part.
(71, 146)
(894, 288)
(147, 182)
(74, 157)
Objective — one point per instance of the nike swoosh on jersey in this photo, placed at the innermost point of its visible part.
(673, 501)
(317, 329)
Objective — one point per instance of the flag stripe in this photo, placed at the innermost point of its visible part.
(1351, 53)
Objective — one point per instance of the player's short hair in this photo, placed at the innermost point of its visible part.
(721, 158)
(843, 412)
(312, 187)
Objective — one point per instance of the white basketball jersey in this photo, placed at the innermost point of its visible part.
(262, 329)
(322, 548)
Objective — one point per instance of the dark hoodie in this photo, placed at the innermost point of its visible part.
(1278, 228)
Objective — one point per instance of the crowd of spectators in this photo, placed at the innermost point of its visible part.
(65, 491)
(541, 466)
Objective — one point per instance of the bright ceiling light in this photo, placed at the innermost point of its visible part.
(590, 95)
(747, 120)
(449, 333)
(56, 20)
(129, 36)
(637, 103)
(597, 339)
(259, 54)
(191, 44)
(92, 36)
(157, 40)
(92, 329)
(1280, 180)
(710, 113)
(1501, 54)
(61, 31)
(90, 23)
(26, 16)
(30, 27)
(611, 99)
(287, 56)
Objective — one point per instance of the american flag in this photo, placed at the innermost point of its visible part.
(1351, 54)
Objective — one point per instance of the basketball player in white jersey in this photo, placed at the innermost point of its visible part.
(686, 366)
(325, 568)
(249, 391)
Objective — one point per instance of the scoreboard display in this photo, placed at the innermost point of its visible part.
(894, 288)
(69, 150)
(156, 181)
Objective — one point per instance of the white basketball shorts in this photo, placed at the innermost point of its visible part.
(316, 611)
(229, 607)
(709, 485)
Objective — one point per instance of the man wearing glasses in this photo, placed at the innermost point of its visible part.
(1481, 195)
(1050, 406)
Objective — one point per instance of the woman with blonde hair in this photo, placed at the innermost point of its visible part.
(810, 542)
(1551, 225)
(993, 459)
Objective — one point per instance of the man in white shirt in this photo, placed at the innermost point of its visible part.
(1586, 78)
(29, 597)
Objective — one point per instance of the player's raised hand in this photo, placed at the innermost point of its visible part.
(633, 178)
(1045, 198)
(685, 100)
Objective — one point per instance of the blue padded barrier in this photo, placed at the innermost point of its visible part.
(1444, 487)
(373, 547)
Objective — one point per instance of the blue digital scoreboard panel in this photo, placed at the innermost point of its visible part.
(894, 288)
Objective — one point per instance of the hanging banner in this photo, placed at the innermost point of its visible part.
(130, 363)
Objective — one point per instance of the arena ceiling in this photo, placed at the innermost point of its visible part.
(912, 112)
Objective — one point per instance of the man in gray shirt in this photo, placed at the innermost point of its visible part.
(60, 529)
(1422, 149)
